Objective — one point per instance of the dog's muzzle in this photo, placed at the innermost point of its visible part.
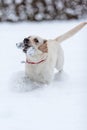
(23, 46)
(29, 50)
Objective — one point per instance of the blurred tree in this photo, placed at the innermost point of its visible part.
(38, 10)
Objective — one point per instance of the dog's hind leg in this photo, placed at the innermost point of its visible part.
(60, 60)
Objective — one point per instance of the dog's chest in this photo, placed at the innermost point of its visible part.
(36, 69)
(41, 72)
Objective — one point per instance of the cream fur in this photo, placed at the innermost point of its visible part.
(44, 71)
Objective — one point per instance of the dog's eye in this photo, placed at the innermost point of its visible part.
(36, 40)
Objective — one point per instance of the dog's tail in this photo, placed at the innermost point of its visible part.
(70, 33)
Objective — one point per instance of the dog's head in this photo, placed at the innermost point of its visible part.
(35, 42)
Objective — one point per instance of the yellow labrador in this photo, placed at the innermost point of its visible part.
(42, 55)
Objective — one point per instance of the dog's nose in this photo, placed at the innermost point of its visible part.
(26, 40)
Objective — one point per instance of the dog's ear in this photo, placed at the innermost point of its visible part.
(43, 47)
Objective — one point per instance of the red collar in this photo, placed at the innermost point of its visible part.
(29, 62)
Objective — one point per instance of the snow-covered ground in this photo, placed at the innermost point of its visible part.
(62, 105)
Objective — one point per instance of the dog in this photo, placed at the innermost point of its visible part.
(43, 55)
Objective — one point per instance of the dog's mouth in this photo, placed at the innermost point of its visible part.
(22, 46)
(25, 45)
(25, 48)
(29, 49)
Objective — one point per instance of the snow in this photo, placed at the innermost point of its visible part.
(61, 105)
